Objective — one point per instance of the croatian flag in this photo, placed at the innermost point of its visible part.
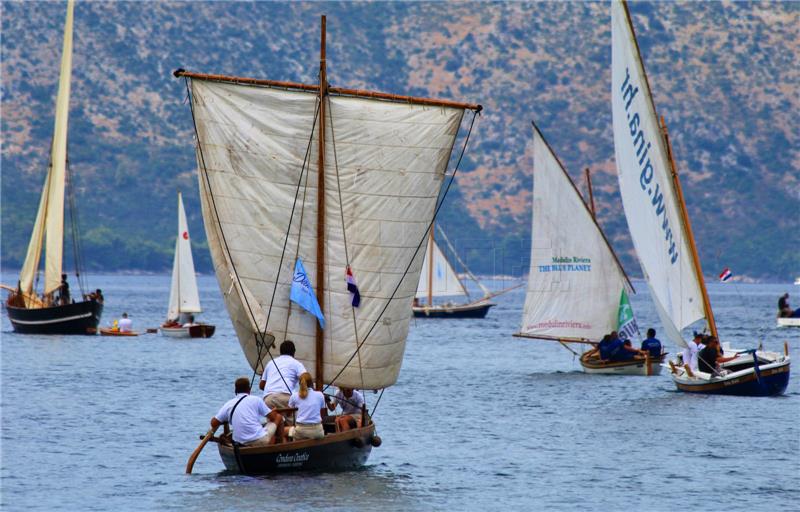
(725, 275)
(355, 296)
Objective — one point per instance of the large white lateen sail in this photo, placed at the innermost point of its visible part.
(183, 295)
(647, 187)
(575, 281)
(444, 280)
(384, 166)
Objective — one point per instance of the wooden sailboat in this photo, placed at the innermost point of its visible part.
(54, 311)
(576, 285)
(660, 228)
(439, 279)
(184, 300)
(343, 180)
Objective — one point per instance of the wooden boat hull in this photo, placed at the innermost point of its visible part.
(457, 311)
(77, 318)
(112, 332)
(343, 451)
(772, 380)
(643, 367)
(194, 331)
(788, 322)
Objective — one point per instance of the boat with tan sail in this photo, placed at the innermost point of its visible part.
(659, 224)
(577, 289)
(317, 201)
(53, 310)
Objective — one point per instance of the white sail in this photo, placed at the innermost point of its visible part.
(648, 193)
(252, 143)
(183, 296)
(49, 225)
(575, 281)
(445, 282)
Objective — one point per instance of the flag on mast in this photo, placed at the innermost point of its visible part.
(303, 294)
(355, 295)
(725, 275)
(626, 326)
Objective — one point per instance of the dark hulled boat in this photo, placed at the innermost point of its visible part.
(76, 318)
(472, 310)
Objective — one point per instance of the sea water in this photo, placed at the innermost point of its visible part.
(478, 420)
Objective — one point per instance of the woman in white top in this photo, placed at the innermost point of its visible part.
(309, 404)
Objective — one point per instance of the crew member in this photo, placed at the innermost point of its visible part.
(310, 404)
(351, 401)
(63, 290)
(244, 413)
(711, 356)
(692, 349)
(651, 344)
(125, 323)
(280, 377)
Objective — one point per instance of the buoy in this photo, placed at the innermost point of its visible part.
(375, 441)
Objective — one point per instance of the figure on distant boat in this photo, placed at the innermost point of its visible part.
(651, 344)
(244, 413)
(125, 323)
(63, 291)
(785, 310)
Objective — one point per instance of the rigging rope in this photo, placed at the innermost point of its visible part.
(419, 245)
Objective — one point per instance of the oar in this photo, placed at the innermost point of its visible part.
(196, 452)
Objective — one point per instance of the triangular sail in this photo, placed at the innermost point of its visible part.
(49, 225)
(647, 189)
(183, 295)
(444, 280)
(575, 280)
(391, 158)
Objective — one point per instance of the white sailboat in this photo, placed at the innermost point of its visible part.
(184, 299)
(54, 311)
(660, 228)
(313, 184)
(439, 279)
(577, 287)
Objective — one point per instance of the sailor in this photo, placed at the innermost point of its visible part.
(188, 320)
(309, 403)
(601, 350)
(651, 343)
(125, 323)
(785, 310)
(711, 356)
(244, 412)
(692, 349)
(619, 350)
(280, 377)
(63, 290)
(350, 400)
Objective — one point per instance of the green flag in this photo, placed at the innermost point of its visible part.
(626, 322)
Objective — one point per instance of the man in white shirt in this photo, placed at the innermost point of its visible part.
(125, 323)
(280, 377)
(350, 400)
(244, 413)
(692, 349)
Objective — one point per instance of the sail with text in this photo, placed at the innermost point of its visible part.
(647, 188)
(575, 278)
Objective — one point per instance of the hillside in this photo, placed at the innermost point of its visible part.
(724, 75)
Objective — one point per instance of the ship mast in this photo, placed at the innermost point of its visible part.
(591, 193)
(323, 92)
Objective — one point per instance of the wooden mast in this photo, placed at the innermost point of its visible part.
(591, 193)
(712, 324)
(323, 91)
(430, 267)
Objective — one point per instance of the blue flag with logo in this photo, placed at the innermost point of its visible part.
(303, 294)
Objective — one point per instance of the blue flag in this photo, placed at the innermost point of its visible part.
(303, 294)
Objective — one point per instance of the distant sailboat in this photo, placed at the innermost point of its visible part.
(49, 313)
(660, 228)
(439, 279)
(334, 189)
(184, 300)
(577, 287)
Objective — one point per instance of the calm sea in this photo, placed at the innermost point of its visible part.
(478, 420)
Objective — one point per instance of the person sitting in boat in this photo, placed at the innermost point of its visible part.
(63, 291)
(712, 356)
(244, 413)
(619, 350)
(785, 310)
(125, 323)
(601, 349)
(651, 344)
(310, 404)
(692, 349)
(350, 400)
(187, 320)
(280, 377)
(96, 295)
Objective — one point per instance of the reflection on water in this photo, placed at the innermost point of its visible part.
(478, 419)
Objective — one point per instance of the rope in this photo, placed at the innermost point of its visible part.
(419, 245)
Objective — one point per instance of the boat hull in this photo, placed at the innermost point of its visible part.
(772, 380)
(194, 331)
(643, 367)
(458, 311)
(788, 322)
(112, 332)
(76, 318)
(342, 451)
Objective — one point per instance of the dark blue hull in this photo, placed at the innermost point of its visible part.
(460, 311)
(770, 382)
(75, 318)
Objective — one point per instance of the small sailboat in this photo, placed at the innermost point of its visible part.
(577, 288)
(439, 279)
(661, 231)
(184, 300)
(344, 180)
(54, 311)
